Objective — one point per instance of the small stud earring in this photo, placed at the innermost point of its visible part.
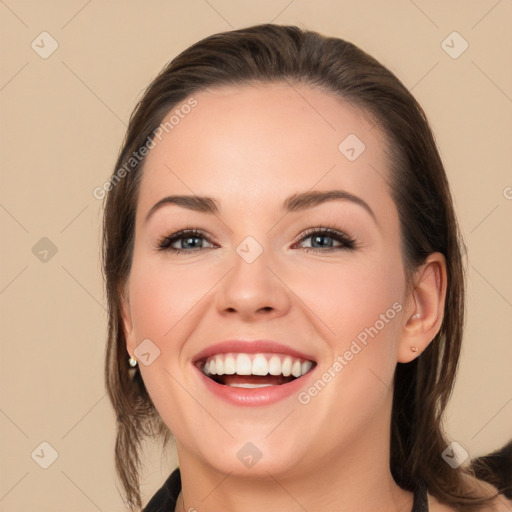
(132, 362)
(414, 349)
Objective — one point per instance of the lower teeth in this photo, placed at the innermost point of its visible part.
(249, 386)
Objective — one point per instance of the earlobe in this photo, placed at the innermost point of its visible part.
(425, 308)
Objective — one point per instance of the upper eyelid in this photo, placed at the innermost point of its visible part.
(310, 231)
(323, 229)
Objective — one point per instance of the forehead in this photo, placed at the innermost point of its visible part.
(258, 143)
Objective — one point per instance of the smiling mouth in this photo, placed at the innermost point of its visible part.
(254, 370)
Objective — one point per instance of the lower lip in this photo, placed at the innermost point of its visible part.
(256, 396)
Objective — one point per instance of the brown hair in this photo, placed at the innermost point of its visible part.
(272, 53)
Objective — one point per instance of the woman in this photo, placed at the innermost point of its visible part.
(285, 285)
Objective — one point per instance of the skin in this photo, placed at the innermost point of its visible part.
(250, 148)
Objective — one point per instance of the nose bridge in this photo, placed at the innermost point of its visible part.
(251, 286)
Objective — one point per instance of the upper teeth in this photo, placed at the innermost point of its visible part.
(255, 364)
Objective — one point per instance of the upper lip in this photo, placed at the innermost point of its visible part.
(250, 347)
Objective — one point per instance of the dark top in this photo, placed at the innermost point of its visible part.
(165, 498)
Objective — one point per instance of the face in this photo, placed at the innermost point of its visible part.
(270, 276)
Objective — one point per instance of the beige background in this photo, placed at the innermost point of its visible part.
(63, 120)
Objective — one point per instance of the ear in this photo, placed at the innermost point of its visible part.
(128, 330)
(424, 310)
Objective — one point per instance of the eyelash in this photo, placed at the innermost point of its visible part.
(348, 243)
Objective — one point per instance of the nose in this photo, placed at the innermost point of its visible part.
(253, 290)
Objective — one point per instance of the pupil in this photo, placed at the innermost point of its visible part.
(320, 237)
(190, 242)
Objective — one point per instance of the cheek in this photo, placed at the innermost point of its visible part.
(162, 295)
(361, 306)
(165, 301)
(350, 298)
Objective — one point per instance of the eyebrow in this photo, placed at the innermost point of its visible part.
(294, 203)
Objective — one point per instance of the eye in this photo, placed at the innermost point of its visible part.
(186, 240)
(327, 239)
(320, 240)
